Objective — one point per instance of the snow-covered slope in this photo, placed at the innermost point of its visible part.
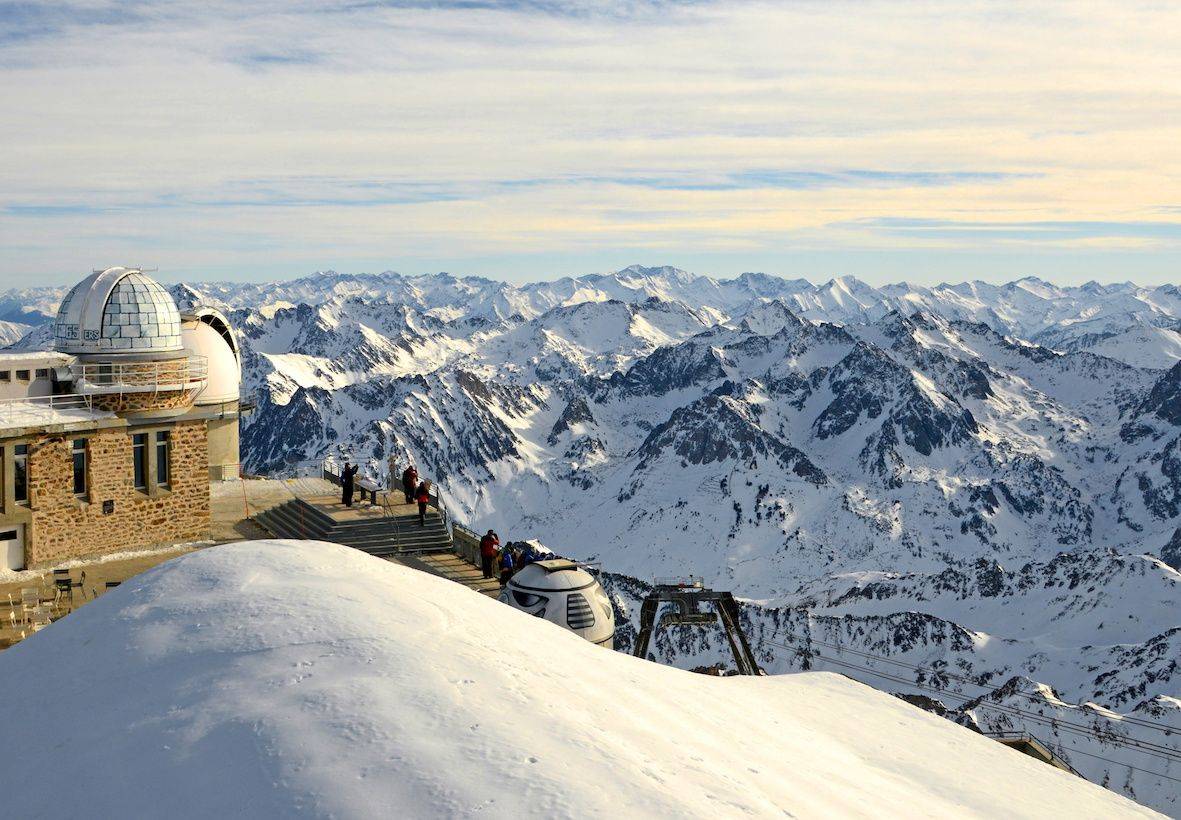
(12, 332)
(270, 679)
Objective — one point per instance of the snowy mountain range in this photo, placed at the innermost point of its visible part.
(981, 481)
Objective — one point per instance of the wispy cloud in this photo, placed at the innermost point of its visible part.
(795, 180)
(306, 133)
(1031, 231)
(314, 192)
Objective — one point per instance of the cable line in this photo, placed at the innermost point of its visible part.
(1127, 765)
(952, 676)
(1150, 749)
(1148, 724)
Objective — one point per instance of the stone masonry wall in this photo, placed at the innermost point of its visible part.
(64, 526)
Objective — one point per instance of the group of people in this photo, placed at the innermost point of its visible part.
(505, 561)
(494, 559)
(414, 490)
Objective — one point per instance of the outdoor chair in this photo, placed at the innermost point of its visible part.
(41, 618)
(30, 600)
(63, 589)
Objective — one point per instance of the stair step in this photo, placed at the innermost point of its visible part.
(291, 526)
(388, 536)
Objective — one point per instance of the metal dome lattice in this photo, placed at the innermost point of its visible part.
(117, 310)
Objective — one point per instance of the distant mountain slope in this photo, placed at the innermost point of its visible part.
(1065, 318)
(365, 689)
(908, 463)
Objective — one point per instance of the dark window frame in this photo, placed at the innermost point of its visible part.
(80, 447)
(24, 375)
(163, 454)
(139, 461)
(20, 473)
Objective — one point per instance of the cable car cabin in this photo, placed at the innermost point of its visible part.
(566, 594)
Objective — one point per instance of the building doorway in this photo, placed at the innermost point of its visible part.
(12, 547)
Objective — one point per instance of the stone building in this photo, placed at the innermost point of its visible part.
(110, 442)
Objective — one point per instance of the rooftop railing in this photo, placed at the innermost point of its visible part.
(183, 373)
(43, 410)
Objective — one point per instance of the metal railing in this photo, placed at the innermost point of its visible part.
(113, 376)
(466, 544)
(34, 410)
(1022, 736)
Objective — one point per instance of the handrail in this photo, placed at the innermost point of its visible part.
(1021, 734)
(183, 373)
(39, 409)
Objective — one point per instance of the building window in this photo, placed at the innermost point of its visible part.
(79, 454)
(163, 445)
(20, 472)
(42, 372)
(139, 455)
(22, 375)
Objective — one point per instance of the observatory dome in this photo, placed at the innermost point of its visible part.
(564, 593)
(117, 310)
(207, 333)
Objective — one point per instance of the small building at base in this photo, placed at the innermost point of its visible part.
(109, 442)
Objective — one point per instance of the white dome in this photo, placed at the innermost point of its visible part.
(202, 339)
(555, 575)
(117, 310)
(563, 593)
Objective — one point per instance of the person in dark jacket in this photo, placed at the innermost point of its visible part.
(348, 483)
(530, 554)
(409, 483)
(488, 545)
(423, 496)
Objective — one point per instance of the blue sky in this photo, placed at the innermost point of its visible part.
(927, 141)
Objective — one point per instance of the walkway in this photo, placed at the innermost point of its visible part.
(450, 566)
(231, 501)
(388, 527)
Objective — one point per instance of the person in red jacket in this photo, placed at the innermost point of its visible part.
(409, 482)
(488, 545)
(423, 496)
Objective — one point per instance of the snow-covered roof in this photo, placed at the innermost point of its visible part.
(284, 678)
(45, 357)
(117, 310)
(48, 411)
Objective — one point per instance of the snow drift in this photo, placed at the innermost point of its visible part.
(287, 678)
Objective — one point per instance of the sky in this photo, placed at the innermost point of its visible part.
(925, 141)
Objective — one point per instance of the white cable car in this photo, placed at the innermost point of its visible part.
(564, 593)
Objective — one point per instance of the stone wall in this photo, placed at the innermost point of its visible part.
(64, 526)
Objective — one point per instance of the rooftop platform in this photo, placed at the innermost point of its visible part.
(49, 358)
(51, 413)
(387, 506)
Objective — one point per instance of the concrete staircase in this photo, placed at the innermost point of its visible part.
(392, 535)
